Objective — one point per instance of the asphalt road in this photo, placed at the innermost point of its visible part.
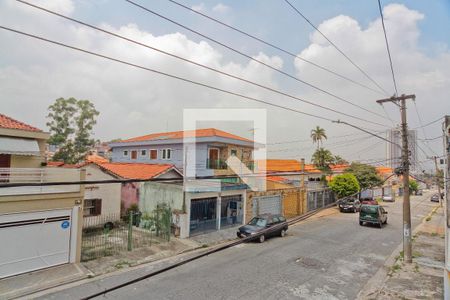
(331, 257)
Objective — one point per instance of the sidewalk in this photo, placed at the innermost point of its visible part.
(423, 279)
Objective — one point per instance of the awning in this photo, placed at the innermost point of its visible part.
(18, 146)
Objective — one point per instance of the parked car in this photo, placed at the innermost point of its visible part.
(351, 204)
(264, 226)
(372, 214)
(388, 198)
(435, 198)
(369, 202)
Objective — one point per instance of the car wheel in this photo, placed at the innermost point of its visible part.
(361, 223)
(341, 210)
(262, 238)
(354, 210)
(380, 224)
(385, 222)
(282, 232)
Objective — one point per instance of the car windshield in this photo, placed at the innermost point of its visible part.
(258, 222)
(369, 209)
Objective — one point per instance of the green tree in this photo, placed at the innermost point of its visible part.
(322, 159)
(365, 174)
(344, 185)
(71, 122)
(339, 160)
(413, 186)
(317, 135)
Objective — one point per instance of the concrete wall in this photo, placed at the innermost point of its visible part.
(109, 193)
(152, 193)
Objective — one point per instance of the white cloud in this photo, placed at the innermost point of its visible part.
(221, 8)
(199, 7)
(134, 102)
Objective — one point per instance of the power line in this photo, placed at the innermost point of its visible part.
(256, 60)
(423, 129)
(272, 45)
(336, 47)
(430, 123)
(431, 139)
(387, 47)
(193, 62)
(161, 73)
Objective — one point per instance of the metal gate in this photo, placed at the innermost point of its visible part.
(320, 198)
(231, 212)
(203, 215)
(267, 204)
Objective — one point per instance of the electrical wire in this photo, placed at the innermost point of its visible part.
(423, 129)
(430, 123)
(387, 47)
(272, 45)
(258, 61)
(162, 73)
(335, 46)
(193, 62)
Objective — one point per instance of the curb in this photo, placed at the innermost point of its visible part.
(375, 284)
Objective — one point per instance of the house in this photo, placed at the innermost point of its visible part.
(212, 148)
(40, 226)
(198, 208)
(130, 192)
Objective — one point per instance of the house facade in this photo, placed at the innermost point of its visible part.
(211, 150)
(40, 226)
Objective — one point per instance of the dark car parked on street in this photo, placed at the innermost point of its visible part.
(264, 226)
(372, 214)
(435, 198)
(350, 204)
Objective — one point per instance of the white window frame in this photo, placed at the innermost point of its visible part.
(126, 155)
(150, 153)
(164, 153)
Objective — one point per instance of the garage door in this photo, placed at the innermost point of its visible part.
(32, 241)
(267, 204)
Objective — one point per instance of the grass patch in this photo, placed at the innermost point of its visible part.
(434, 234)
(416, 254)
(205, 246)
(121, 264)
(428, 219)
(395, 268)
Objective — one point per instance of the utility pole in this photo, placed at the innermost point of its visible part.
(407, 245)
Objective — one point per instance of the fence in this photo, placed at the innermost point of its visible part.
(112, 234)
(319, 198)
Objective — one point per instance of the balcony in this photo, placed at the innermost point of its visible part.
(216, 164)
(38, 175)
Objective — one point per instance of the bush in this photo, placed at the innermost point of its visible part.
(344, 185)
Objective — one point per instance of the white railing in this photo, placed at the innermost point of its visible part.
(38, 175)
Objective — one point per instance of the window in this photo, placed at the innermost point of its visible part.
(143, 153)
(233, 152)
(133, 154)
(92, 207)
(125, 153)
(153, 154)
(166, 153)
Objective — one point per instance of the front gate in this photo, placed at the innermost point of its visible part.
(267, 204)
(203, 215)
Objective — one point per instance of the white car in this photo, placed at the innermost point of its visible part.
(388, 198)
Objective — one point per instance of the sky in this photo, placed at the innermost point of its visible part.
(135, 102)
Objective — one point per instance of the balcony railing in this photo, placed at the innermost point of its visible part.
(38, 175)
(216, 164)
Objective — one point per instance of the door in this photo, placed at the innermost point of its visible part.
(203, 215)
(35, 240)
(267, 204)
(213, 157)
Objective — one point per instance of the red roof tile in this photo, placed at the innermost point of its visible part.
(10, 123)
(135, 171)
(208, 132)
(96, 159)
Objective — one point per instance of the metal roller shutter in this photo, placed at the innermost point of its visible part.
(267, 204)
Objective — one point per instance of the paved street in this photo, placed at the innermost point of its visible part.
(330, 257)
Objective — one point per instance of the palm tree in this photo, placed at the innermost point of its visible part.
(317, 135)
(322, 159)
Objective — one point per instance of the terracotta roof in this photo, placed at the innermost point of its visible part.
(10, 123)
(96, 159)
(276, 179)
(135, 171)
(279, 165)
(208, 132)
(384, 170)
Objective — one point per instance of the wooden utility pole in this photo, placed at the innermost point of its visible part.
(407, 245)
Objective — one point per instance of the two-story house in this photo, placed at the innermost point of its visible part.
(211, 150)
(199, 206)
(40, 226)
